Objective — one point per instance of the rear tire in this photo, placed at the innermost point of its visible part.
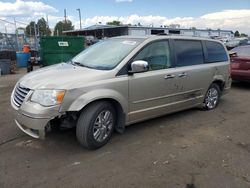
(212, 97)
(95, 125)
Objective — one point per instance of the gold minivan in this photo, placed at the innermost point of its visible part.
(121, 81)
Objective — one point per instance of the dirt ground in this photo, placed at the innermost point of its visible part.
(209, 149)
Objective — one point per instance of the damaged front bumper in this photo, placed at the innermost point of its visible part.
(32, 118)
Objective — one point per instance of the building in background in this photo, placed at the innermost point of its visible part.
(103, 31)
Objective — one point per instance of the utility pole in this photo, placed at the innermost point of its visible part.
(5, 29)
(65, 15)
(30, 30)
(47, 17)
(80, 17)
(16, 32)
(35, 35)
(38, 31)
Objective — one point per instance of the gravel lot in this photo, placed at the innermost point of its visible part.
(209, 149)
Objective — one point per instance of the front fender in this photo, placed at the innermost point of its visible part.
(98, 94)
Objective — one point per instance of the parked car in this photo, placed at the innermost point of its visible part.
(90, 40)
(237, 42)
(240, 63)
(121, 81)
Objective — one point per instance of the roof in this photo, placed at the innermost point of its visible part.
(134, 37)
(156, 37)
(169, 28)
(96, 27)
(99, 27)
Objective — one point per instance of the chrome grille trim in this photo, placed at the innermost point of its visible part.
(19, 95)
(22, 89)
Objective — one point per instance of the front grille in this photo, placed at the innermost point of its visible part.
(20, 94)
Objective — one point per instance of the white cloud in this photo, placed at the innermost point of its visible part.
(121, 1)
(24, 11)
(25, 8)
(228, 14)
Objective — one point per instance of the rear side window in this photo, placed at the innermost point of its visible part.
(188, 52)
(215, 52)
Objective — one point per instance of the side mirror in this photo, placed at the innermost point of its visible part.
(139, 66)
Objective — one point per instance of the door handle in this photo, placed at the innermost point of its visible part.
(169, 76)
(184, 74)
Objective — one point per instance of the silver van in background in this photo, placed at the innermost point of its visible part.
(121, 81)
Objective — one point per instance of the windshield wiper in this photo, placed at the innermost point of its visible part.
(78, 64)
(73, 63)
(82, 65)
(102, 68)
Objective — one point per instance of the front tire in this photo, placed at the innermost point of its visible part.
(96, 125)
(212, 97)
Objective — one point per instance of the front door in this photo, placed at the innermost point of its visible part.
(153, 93)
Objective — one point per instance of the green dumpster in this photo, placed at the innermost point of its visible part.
(57, 49)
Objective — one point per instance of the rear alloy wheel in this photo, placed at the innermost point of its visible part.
(96, 125)
(212, 97)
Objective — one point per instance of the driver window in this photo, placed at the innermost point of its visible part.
(157, 55)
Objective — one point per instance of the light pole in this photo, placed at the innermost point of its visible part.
(16, 32)
(80, 18)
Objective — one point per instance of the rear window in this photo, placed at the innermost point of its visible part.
(242, 50)
(188, 52)
(215, 52)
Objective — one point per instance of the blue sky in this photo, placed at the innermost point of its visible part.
(223, 14)
(168, 8)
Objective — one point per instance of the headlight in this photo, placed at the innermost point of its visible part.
(48, 97)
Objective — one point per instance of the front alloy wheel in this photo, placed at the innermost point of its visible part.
(103, 126)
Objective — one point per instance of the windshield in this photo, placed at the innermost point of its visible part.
(107, 54)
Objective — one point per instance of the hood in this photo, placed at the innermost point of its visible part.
(61, 76)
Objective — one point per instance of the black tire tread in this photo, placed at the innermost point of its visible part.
(84, 125)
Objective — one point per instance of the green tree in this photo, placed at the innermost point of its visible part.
(43, 27)
(243, 35)
(1, 35)
(30, 29)
(115, 23)
(237, 34)
(63, 26)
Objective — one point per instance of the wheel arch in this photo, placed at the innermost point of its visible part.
(220, 83)
(119, 102)
(120, 114)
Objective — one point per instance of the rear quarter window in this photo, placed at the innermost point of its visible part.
(215, 52)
